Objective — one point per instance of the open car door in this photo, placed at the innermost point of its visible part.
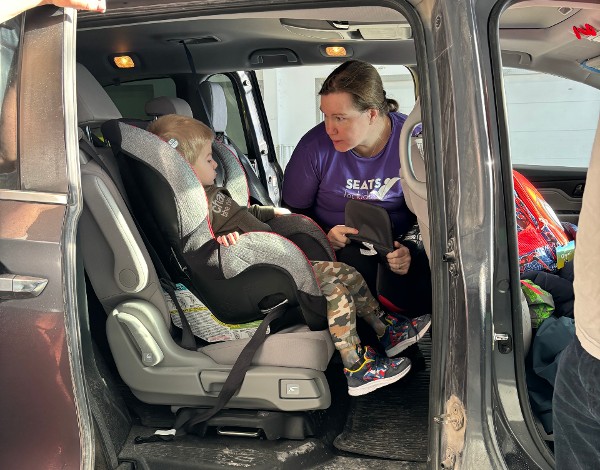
(43, 408)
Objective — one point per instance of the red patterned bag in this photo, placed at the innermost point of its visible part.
(539, 231)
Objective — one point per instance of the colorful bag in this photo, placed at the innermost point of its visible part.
(540, 302)
(539, 231)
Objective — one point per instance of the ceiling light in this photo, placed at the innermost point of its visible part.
(336, 51)
(124, 62)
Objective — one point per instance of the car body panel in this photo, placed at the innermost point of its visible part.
(45, 416)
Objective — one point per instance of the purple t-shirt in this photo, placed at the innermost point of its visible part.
(320, 177)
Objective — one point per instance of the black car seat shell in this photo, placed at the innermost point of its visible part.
(138, 327)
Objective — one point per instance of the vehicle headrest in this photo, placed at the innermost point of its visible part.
(215, 105)
(94, 106)
(164, 105)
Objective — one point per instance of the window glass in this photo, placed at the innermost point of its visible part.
(292, 102)
(235, 129)
(551, 120)
(9, 46)
(131, 97)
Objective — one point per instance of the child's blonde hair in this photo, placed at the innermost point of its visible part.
(191, 135)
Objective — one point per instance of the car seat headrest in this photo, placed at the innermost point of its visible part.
(176, 193)
(164, 105)
(213, 98)
(94, 106)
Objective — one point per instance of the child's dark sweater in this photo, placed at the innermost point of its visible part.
(228, 216)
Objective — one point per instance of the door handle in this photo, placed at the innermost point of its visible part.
(13, 286)
(578, 191)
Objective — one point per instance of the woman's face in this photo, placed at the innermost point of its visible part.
(345, 125)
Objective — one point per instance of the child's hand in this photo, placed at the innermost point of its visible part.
(229, 240)
(281, 211)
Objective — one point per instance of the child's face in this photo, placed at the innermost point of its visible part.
(205, 167)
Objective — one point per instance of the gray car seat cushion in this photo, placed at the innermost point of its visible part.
(293, 347)
(279, 251)
(234, 176)
(164, 105)
(215, 105)
(188, 193)
(94, 106)
(297, 226)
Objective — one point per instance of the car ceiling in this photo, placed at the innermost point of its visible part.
(533, 34)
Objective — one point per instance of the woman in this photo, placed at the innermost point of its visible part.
(353, 154)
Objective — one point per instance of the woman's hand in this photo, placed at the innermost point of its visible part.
(281, 211)
(10, 9)
(337, 236)
(229, 240)
(399, 259)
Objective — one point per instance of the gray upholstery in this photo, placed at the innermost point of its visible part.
(94, 106)
(215, 105)
(234, 176)
(168, 105)
(273, 250)
(293, 226)
(159, 155)
(114, 255)
(281, 348)
(414, 199)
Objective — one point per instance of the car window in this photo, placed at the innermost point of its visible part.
(9, 47)
(235, 129)
(131, 97)
(292, 101)
(551, 120)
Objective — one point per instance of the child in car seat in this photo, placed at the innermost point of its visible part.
(344, 288)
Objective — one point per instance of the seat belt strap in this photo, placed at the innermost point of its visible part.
(187, 418)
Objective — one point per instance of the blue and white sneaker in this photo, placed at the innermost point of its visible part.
(375, 372)
(403, 332)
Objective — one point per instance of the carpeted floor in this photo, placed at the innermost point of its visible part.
(391, 422)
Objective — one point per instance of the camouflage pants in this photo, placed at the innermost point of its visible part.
(347, 297)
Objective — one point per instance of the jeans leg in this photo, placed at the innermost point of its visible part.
(576, 409)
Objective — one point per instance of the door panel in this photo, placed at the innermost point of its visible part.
(38, 411)
(562, 188)
(42, 411)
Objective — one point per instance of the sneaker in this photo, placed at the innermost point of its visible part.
(375, 372)
(399, 334)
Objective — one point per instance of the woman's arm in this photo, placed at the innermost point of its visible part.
(12, 8)
(301, 180)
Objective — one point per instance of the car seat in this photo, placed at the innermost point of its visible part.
(231, 175)
(287, 371)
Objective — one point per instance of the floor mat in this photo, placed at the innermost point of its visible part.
(391, 422)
